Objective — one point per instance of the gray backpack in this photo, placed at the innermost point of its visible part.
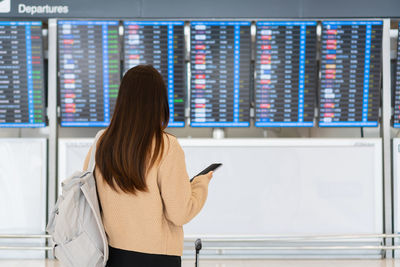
(75, 224)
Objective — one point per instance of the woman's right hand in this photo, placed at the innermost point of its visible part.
(209, 175)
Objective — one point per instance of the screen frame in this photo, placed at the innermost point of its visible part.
(44, 75)
(304, 124)
(175, 124)
(75, 124)
(219, 124)
(347, 124)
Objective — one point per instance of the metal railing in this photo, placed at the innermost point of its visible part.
(272, 242)
(24, 247)
(344, 245)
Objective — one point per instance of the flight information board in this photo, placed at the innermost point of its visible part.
(220, 74)
(286, 72)
(161, 44)
(396, 119)
(89, 71)
(350, 73)
(22, 101)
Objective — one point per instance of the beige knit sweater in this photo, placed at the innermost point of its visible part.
(151, 222)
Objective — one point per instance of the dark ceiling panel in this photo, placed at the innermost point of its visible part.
(351, 8)
(221, 8)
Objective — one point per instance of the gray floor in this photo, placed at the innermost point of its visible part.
(239, 263)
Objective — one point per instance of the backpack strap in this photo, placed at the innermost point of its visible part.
(92, 161)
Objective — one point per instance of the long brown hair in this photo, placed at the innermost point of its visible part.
(125, 151)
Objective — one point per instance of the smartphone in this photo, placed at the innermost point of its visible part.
(212, 167)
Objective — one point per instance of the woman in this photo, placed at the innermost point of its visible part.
(142, 183)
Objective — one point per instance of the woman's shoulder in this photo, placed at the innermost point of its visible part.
(170, 140)
(171, 143)
(172, 149)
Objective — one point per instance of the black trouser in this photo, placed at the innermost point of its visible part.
(126, 258)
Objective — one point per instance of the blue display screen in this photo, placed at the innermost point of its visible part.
(161, 44)
(286, 73)
(350, 73)
(22, 101)
(89, 73)
(396, 118)
(220, 73)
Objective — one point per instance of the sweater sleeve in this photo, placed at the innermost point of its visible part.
(182, 199)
